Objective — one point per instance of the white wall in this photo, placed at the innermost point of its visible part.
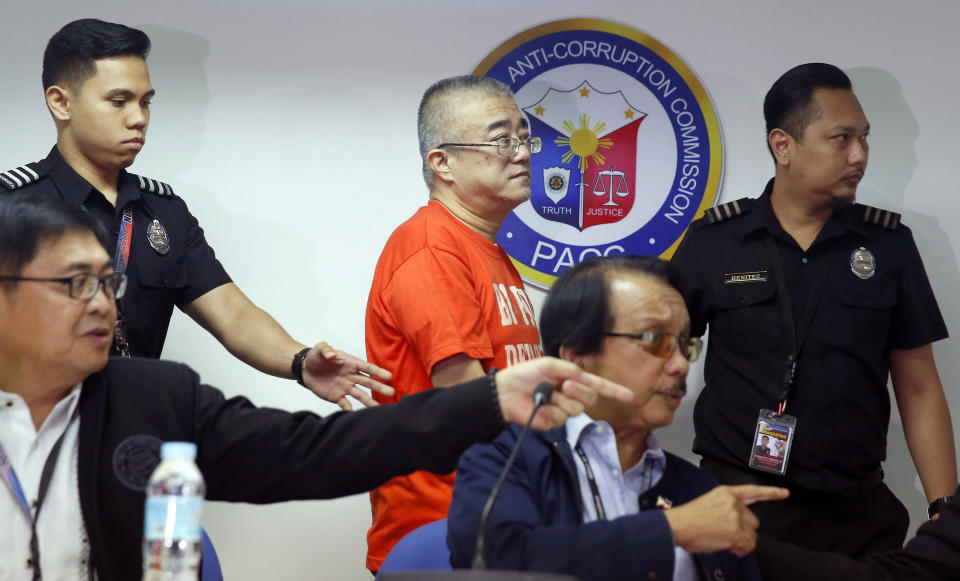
(289, 128)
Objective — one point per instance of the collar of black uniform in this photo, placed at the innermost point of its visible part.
(841, 221)
(75, 190)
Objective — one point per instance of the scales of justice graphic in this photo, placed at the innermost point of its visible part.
(589, 142)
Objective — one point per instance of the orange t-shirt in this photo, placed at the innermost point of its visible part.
(440, 289)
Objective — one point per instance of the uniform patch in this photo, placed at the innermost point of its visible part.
(863, 263)
(631, 145)
(745, 277)
(134, 460)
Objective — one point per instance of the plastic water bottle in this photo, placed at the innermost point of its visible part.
(172, 518)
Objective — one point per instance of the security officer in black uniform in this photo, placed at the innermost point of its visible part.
(811, 301)
(98, 90)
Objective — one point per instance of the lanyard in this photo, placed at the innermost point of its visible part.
(592, 481)
(10, 477)
(795, 336)
(595, 490)
(123, 258)
(123, 240)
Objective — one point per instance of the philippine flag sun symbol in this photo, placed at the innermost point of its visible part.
(631, 145)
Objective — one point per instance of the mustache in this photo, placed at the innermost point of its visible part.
(679, 386)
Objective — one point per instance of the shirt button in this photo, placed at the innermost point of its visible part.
(9, 403)
(803, 260)
(598, 430)
(615, 472)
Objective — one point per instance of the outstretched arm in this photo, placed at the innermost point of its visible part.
(535, 523)
(253, 336)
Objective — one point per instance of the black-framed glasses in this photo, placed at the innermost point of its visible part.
(508, 146)
(663, 345)
(83, 286)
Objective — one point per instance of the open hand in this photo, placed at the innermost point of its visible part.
(333, 375)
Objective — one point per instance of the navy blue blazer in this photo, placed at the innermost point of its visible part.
(537, 521)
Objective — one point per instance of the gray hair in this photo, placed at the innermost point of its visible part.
(437, 118)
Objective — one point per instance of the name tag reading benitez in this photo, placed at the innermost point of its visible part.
(745, 277)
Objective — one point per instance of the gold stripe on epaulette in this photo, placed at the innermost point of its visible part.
(884, 218)
(723, 212)
(155, 187)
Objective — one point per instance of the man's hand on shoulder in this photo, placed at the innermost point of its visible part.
(719, 520)
(573, 389)
(333, 375)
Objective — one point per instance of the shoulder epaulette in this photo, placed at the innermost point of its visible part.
(884, 218)
(23, 175)
(727, 211)
(155, 187)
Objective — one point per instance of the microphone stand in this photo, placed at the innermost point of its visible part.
(478, 571)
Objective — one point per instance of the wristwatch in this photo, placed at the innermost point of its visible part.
(934, 507)
(296, 367)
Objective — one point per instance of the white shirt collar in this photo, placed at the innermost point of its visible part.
(577, 425)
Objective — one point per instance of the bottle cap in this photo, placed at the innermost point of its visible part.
(178, 451)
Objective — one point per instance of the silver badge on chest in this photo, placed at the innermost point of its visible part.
(157, 236)
(863, 263)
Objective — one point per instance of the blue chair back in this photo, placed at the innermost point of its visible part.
(210, 565)
(423, 549)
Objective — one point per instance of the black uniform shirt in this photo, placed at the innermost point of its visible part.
(840, 396)
(155, 282)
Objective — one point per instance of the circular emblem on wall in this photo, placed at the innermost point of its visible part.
(631, 145)
(134, 460)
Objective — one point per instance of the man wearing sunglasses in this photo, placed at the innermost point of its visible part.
(598, 498)
(446, 304)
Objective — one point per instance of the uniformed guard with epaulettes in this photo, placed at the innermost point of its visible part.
(97, 88)
(152, 237)
(873, 296)
(812, 302)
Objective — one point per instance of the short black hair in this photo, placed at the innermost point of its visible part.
(576, 313)
(789, 103)
(71, 54)
(27, 220)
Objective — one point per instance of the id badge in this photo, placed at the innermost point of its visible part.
(772, 442)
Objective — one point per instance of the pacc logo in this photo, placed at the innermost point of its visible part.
(631, 145)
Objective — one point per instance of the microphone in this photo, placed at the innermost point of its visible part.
(541, 396)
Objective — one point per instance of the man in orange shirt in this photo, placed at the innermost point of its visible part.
(446, 304)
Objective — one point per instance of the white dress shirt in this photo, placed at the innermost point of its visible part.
(64, 550)
(619, 492)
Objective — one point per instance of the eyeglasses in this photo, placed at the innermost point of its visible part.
(508, 146)
(83, 286)
(663, 345)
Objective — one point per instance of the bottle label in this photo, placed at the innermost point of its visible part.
(172, 517)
